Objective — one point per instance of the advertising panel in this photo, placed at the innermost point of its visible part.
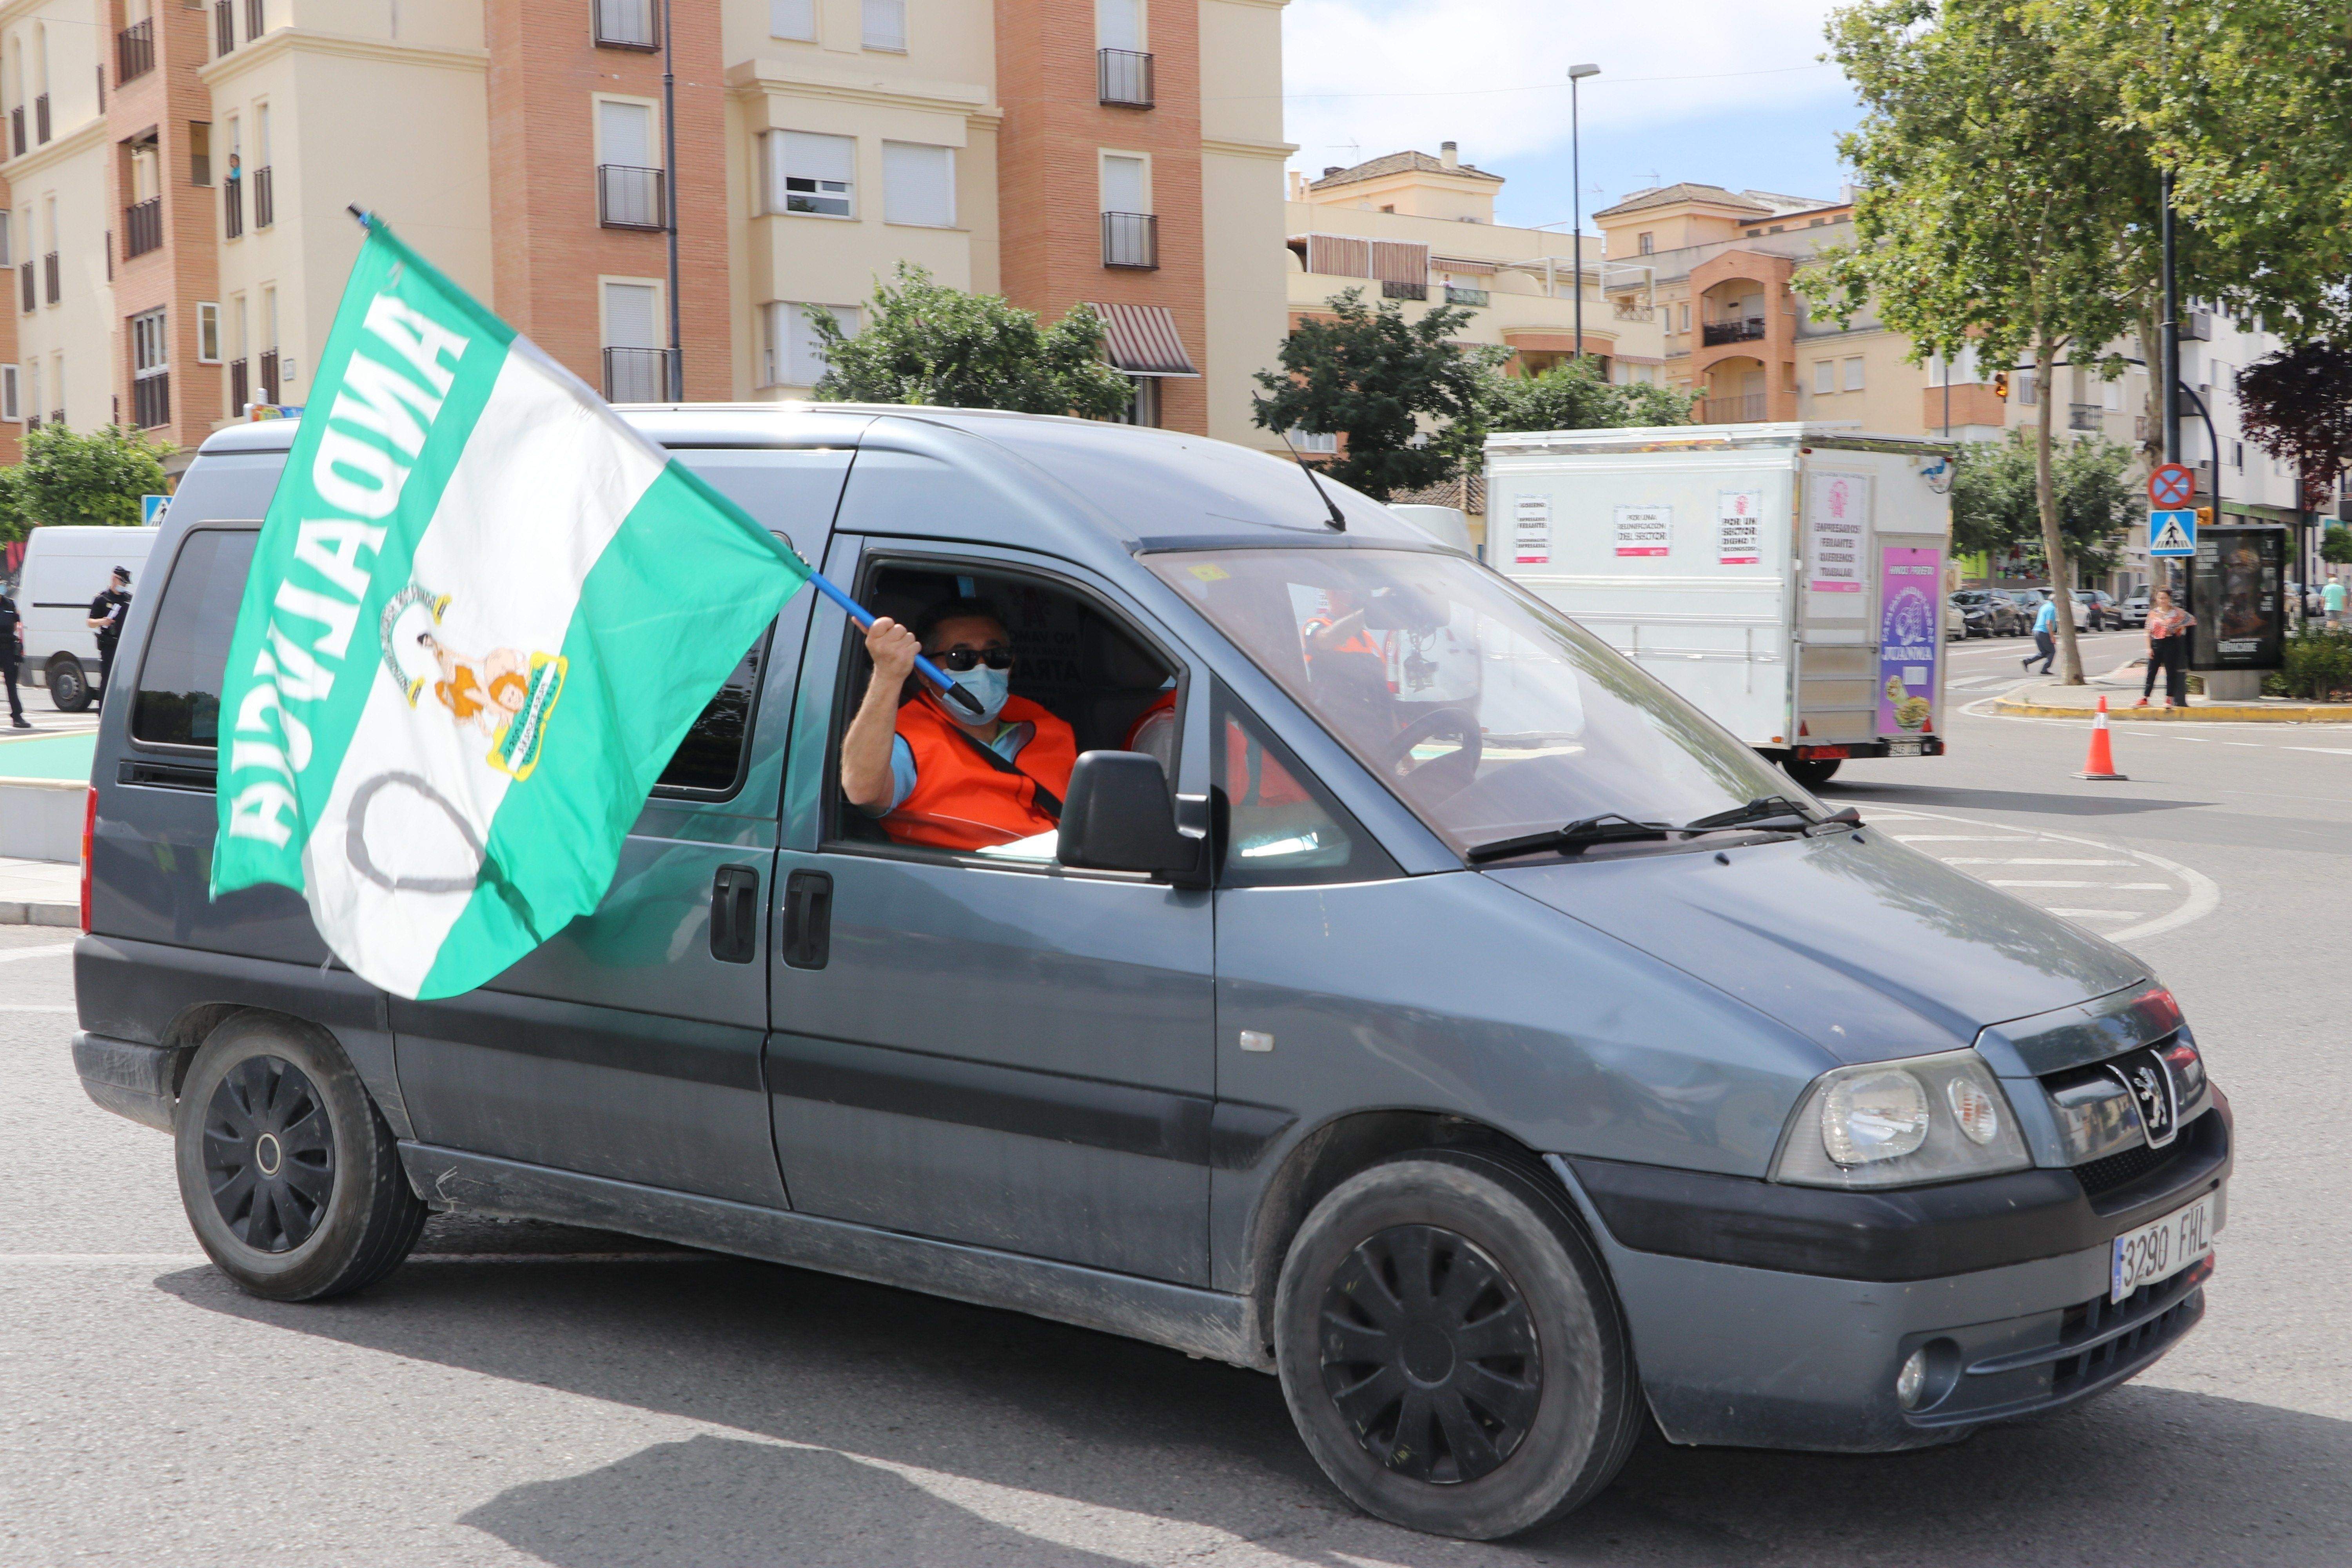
(1739, 528)
(1644, 530)
(1531, 530)
(1837, 514)
(1910, 637)
(2237, 590)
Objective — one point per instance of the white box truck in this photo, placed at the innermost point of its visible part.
(1786, 578)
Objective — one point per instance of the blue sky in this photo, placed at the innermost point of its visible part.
(1690, 90)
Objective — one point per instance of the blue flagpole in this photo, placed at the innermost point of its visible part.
(924, 667)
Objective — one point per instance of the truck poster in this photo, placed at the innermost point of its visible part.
(1739, 528)
(1644, 530)
(1910, 637)
(1531, 530)
(1838, 512)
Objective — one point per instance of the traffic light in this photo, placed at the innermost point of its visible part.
(2204, 517)
(2000, 384)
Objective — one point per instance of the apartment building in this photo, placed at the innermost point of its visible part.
(176, 180)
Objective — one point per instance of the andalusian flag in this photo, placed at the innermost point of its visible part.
(482, 615)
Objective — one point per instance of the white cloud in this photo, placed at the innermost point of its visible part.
(1368, 77)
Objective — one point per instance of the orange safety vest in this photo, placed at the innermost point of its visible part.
(959, 801)
(1252, 777)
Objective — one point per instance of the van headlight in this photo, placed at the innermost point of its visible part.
(1897, 1124)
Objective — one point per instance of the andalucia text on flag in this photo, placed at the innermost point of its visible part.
(483, 613)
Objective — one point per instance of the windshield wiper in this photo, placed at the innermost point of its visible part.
(1609, 827)
(1764, 811)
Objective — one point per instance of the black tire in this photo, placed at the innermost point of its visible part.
(335, 1213)
(1527, 1431)
(1811, 772)
(68, 684)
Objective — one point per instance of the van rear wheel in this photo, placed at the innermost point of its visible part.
(1812, 772)
(1451, 1348)
(290, 1179)
(68, 684)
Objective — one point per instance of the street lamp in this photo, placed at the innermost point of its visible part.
(1576, 195)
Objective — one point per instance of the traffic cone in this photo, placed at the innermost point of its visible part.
(2100, 763)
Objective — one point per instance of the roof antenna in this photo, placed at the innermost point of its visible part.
(1338, 518)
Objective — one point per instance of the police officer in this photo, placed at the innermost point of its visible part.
(106, 616)
(12, 648)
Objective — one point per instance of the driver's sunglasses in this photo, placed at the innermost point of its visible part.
(955, 660)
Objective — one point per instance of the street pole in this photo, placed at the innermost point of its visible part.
(1576, 74)
(676, 355)
(2169, 342)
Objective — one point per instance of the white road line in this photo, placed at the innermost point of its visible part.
(10, 955)
(30, 1007)
(2097, 915)
(1995, 882)
(1961, 837)
(192, 1260)
(2021, 860)
(2322, 751)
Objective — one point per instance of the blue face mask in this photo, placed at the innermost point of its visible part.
(987, 687)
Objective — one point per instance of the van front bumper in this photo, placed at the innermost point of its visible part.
(1778, 1317)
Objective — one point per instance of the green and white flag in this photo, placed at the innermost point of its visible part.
(483, 613)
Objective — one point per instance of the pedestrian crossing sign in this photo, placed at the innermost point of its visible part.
(2172, 532)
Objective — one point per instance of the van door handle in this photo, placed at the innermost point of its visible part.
(808, 918)
(735, 914)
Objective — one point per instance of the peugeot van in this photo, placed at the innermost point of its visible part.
(1465, 1030)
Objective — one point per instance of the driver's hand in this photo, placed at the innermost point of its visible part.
(892, 648)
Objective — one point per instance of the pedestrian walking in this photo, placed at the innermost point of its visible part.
(106, 615)
(12, 650)
(2045, 636)
(2331, 602)
(2167, 650)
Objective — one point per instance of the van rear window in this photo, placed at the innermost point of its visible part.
(178, 702)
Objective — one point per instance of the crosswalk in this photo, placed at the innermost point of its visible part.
(2120, 893)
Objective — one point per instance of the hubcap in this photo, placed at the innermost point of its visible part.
(269, 1155)
(1430, 1354)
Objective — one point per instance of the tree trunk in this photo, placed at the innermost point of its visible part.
(2053, 543)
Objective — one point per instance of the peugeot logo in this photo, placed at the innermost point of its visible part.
(2148, 1080)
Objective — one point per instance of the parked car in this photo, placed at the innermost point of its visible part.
(1311, 1042)
(2031, 600)
(2002, 617)
(66, 567)
(2101, 607)
(2134, 606)
(1956, 626)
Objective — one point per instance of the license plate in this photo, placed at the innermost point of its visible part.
(1902, 748)
(2162, 1248)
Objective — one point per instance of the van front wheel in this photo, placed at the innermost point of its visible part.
(1451, 1350)
(290, 1179)
(68, 684)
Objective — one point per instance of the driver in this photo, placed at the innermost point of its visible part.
(1349, 669)
(933, 774)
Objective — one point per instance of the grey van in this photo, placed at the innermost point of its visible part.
(1417, 1000)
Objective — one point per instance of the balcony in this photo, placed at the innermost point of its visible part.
(233, 206)
(150, 399)
(143, 227)
(49, 275)
(1130, 239)
(1457, 294)
(265, 387)
(238, 393)
(626, 25)
(1732, 330)
(41, 120)
(1745, 409)
(134, 51)
(25, 273)
(1634, 311)
(2085, 416)
(1391, 289)
(637, 375)
(256, 19)
(1123, 77)
(224, 27)
(265, 205)
(629, 197)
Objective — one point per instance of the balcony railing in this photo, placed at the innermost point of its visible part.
(56, 416)
(256, 19)
(233, 206)
(134, 51)
(1123, 77)
(49, 275)
(224, 27)
(41, 120)
(143, 227)
(1737, 330)
(629, 197)
(32, 419)
(265, 203)
(150, 399)
(1743, 410)
(626, 25)
(238, 392)
(25, 272)
(17, 130)
(1630, 310)
(265, 383)
(1458, 294)
(1130, 239)
(2085, 416)
(1391, 289)
(637, 375)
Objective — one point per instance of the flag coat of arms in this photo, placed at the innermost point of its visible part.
(483, 613)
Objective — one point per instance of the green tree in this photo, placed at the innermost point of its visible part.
(925, 342)
(1996, 501)
(2336, 546)
(1573, 396)
(92, 477)
(1372, 377)
(2004, 206)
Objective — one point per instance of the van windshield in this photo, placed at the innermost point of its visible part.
(1489, 713)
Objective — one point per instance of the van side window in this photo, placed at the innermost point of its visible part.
(711, 759)
(178, 698)
(1278, 826)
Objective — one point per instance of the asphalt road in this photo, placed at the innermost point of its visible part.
(527, 1394)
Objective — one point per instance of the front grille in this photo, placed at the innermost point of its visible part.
(2102, 1176)
(2171, 1307)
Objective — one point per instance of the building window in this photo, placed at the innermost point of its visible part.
(1824, 377)
(885, 24)
(919, 185)
(628, 173)
(33, 394)
(626, 25)
(1648, 244)
(208, 343)
(812, 174)
(151, 385)
(1854, 374)
(7, 239)
(2237, 455)
(1130, 232)
(2028, 393)
(795, 353)
(1686, 318)
(1143, 408)
(8, 407)
(1312, 442)
(793, 19)
(1961, 370)
(2111, 394)
(636, 364)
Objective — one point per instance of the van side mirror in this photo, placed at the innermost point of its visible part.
(1118, 816)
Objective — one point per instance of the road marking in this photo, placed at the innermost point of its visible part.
(188, 1259)
(2322, 751)
(1960, 838)
(1994, 882)
(2097, 914)
(2021, 860)
(12, 954)
(30, 1007)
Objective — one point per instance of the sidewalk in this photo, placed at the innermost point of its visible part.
(40, 894)
(2049, 700)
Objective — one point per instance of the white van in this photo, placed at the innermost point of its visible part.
(65, 568)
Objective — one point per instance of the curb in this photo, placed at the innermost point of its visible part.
(24, 914)
(2214, 713)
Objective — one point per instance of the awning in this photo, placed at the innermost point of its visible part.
(1143, 339)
